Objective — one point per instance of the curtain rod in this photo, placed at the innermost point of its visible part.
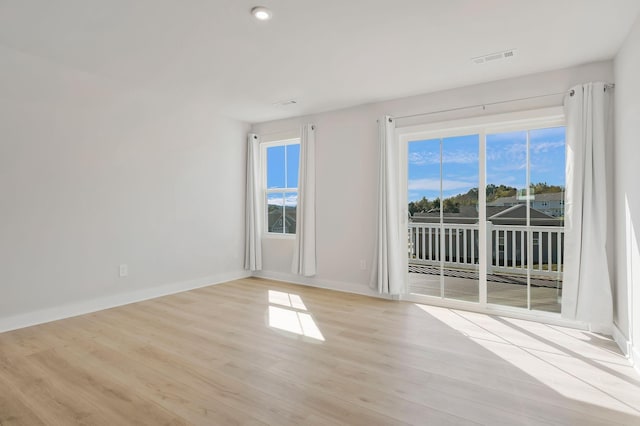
(483, 106)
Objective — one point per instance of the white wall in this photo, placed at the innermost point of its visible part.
(346, 167)
(93, 175)
(627, 191)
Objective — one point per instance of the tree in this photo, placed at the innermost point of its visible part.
(499, 191)
(470, 198)
(435, 205)
(544, 188)
(450, 206)
(412, 208)
(420, 206)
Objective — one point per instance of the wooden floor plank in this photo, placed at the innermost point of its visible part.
(255, 351)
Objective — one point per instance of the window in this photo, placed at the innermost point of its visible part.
(281, 160)
(488, 174)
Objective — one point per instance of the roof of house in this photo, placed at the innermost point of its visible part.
(518, 211)
(548, 196)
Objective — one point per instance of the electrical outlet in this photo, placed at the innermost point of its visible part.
(124, 270)
(363, 264)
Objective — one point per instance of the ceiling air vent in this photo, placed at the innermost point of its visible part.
(494, 56)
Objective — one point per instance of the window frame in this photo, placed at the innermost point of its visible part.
(483, 125)
(284, 140)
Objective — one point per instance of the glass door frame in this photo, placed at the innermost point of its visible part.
(481, 126)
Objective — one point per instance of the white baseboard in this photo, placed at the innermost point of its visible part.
(628, 349)
(623, 342)
(327, 284)
(80, 308)
(635, 358)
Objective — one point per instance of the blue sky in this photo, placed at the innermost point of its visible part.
(506, 162)
(282, 172)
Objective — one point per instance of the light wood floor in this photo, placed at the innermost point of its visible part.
(259, 352)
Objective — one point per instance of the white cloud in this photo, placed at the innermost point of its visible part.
(458, 156)
(423, 158)
(518, 151)
(289, 200)
(434, 185)
(424, 185)
(540, 147)
(507, 153)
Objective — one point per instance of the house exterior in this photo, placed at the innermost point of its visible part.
(509, 242)
(282, 223)
(508, 214)
(551, 204)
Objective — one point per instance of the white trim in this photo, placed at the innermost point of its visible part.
(93, 305)
(280, 136)
(482, 219)
(622, 341)
(635, 358)
(290, 138)
(341, 286)
(280, 142)
(403, 198)
(278, 236)
(521, 120)
(496, 310)
(497, 123)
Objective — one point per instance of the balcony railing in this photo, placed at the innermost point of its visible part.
(457, 246)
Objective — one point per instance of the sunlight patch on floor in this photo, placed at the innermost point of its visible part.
(570, 363)
(286, 299)
(290, 315)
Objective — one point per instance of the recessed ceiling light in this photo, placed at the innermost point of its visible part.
(261, 13)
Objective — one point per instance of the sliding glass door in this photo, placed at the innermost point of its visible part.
(525, 217)
(485, 211)
(443, 181)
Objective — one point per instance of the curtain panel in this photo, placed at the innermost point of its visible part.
(587, 294)
(387, 272)
(304, 252)
(253, 209)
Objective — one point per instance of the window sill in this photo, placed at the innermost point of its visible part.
(273, 236)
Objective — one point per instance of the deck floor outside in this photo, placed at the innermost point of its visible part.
(502, 289)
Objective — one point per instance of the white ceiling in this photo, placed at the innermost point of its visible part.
(326, 54)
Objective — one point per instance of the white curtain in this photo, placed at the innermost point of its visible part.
(587, 294)
(253, 202)
(387, 272)
(304, 252)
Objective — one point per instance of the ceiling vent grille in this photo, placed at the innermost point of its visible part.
(286, 103)
(492, 57)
